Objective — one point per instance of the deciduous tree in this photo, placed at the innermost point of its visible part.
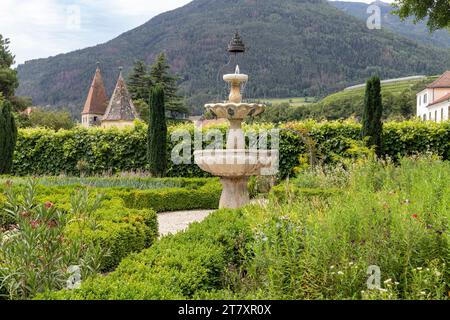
(437, 12)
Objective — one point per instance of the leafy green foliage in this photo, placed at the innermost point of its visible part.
(399, 103)
(45, 152)
(177, 267)
(8, 136)
(319, 246)
(55, 120)
(35, 254)
(437, 12)
(175, 199)
(157, 133)
(8, 76)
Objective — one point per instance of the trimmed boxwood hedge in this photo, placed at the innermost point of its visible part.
(181, 266)
(174, 199)
(127, 217)
(45, 152)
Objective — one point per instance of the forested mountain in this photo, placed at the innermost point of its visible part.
(417, 32)
(296, 48)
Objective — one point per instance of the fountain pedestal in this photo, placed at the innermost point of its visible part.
(235, 193)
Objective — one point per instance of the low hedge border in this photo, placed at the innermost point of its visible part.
(181, 266)
(173, 199)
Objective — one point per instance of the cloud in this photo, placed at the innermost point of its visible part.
(42, 28)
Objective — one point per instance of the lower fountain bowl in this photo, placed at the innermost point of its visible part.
(234, 163)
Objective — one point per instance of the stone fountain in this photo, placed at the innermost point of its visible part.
(235, 164)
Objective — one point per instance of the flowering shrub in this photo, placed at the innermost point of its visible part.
(35, 253)
(313, 247)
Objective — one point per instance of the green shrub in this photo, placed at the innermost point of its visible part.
(288, 192)
(177, 267)
(174, 199)
(120, 229)
(395, 217)
(36, 253)
(45, 152)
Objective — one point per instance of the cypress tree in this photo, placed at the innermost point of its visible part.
(372, 117)
(8, 137)
(157, 133)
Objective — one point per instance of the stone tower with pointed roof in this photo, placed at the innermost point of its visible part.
(121, 111)
(96, 102)
(433, 103)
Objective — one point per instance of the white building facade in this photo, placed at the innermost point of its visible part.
(433, 103)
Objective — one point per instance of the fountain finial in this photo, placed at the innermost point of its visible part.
(236, 45)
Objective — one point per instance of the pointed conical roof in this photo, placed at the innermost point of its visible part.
(97, 100)
(442, 82)
(120, 106)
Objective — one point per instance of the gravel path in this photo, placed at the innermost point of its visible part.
(173, 222)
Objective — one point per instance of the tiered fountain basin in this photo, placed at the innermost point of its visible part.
(234, 111)
(234, 163)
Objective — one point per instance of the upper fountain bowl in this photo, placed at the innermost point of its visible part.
(235, 78)
(235, 111)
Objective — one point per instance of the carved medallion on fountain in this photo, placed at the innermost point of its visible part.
(235, 164)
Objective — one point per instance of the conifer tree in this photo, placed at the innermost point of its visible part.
(373, 112)
(160, 74)
(8, 136)
(8, 77)
(139, 81)
(157, 133)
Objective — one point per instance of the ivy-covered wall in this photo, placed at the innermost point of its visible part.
(96, 151)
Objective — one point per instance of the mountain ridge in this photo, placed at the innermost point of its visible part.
(296, 47)
(417, 32)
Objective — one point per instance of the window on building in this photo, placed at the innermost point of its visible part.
(425, 98)
(419, 102)
(442, 114)
(425, 117)
(95, 119)
(435, 116)
(429, 116)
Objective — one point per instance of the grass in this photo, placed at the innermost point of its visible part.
(294, 102)
(393, 88)
(393, 217)
(116, 182)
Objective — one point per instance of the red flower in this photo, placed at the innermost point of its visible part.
(48, 205)
(415, 216)
(52, 224)
(25, 214)
(35, 224)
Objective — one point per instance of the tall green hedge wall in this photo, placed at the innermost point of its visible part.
(45, 152)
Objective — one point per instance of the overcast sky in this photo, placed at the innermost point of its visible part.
(43, 28)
